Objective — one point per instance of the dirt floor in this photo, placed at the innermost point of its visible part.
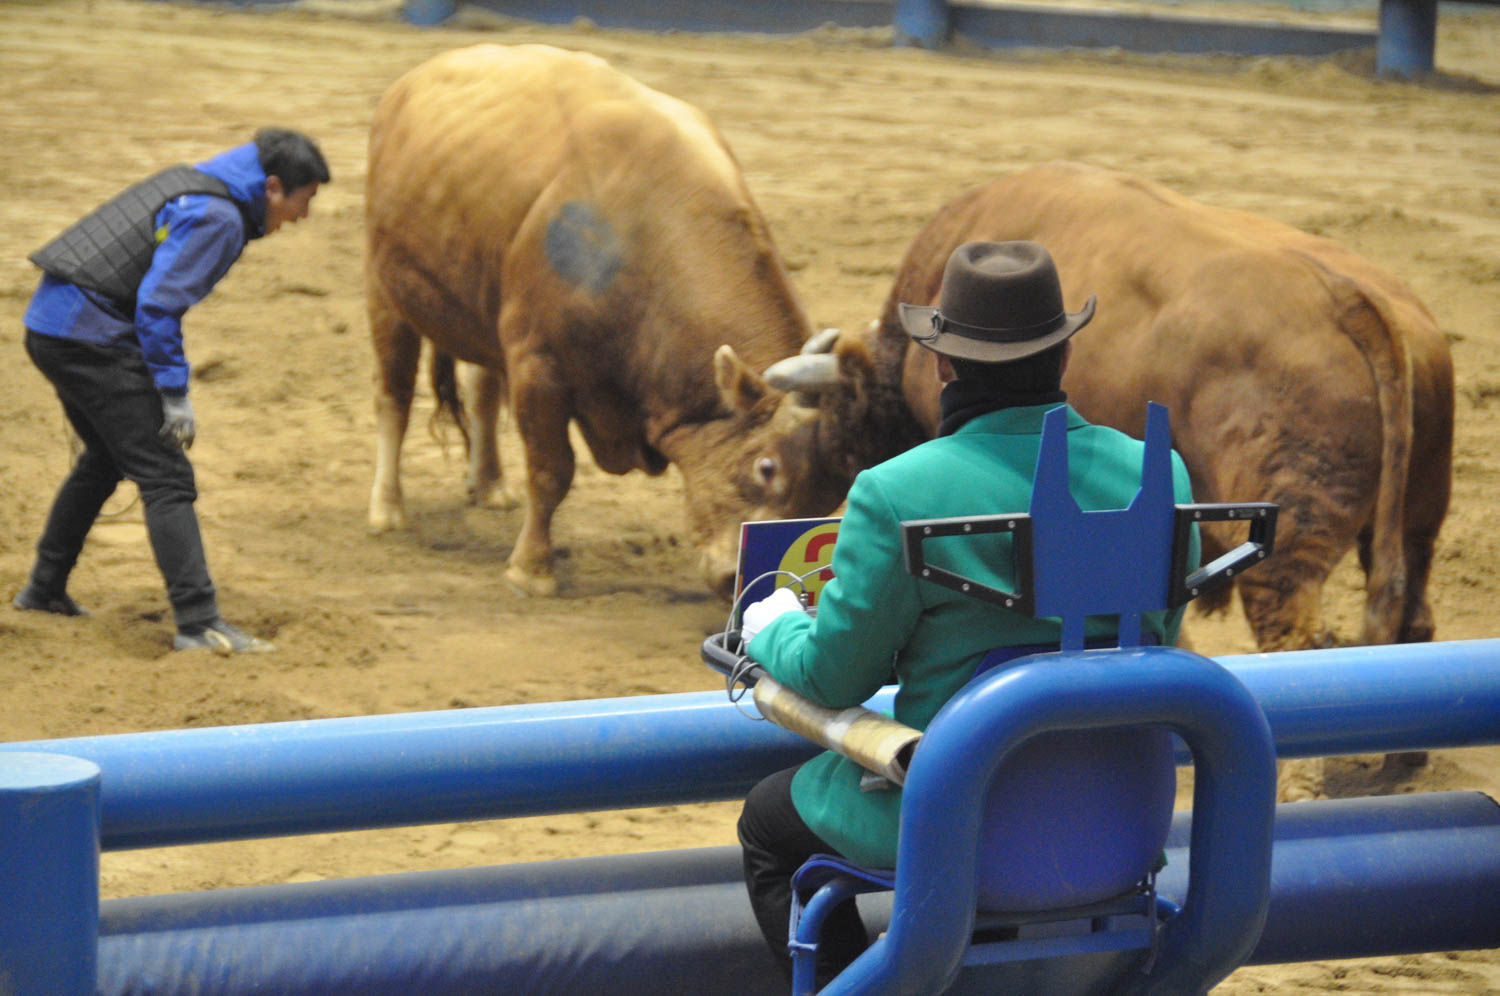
(849, 145)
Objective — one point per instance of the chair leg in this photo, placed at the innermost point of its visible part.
(807, 926)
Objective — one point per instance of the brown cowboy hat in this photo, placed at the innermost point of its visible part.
(1001, 301)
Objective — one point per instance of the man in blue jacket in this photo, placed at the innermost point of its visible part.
(1001, 334)
(105, 327)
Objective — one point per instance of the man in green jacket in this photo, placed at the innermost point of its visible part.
(1001, 334)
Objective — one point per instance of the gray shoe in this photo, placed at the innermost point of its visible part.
(32, 600)
(222, 638)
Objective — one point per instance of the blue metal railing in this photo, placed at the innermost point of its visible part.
(227, 783)
(235, 782)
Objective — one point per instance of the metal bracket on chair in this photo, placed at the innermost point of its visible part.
(916, 531)
(1184, 587)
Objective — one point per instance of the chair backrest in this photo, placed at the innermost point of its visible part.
(1109, 561)
(1073, 818)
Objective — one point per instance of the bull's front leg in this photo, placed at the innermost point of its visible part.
(482, 388)
(1283, 604)
(539, 401)
(398, 350)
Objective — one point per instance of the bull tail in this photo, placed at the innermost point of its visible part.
(449, 406)
(1386, 354)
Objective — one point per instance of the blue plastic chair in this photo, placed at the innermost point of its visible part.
(1040, 797)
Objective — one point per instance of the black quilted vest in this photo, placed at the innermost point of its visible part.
(109, 250)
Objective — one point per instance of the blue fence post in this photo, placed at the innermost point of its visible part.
(49, 874)
(922, 22)
(1408, 37)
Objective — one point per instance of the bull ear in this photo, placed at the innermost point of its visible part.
(740, 387)
(855, 357)
(859, 383)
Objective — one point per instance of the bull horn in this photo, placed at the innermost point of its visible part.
(805, 374)
(820, 343)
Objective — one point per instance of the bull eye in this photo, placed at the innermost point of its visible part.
(765, 469)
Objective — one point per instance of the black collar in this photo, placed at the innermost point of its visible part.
(963, 400)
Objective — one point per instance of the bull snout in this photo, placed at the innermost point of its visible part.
(721, 583)
(719, 562)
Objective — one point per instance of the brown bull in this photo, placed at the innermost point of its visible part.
(1295, 371)
(588, 244)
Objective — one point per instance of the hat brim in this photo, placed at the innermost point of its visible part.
(916, 320)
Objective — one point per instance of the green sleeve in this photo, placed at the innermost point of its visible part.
(865, 614)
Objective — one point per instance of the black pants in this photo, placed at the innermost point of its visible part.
(776, 842)
(112, 402)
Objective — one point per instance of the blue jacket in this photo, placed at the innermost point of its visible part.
(204, 236)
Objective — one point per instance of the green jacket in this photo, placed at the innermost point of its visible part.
(874, 618)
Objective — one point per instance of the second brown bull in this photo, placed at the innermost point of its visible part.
(589, 244)
(1295, 371)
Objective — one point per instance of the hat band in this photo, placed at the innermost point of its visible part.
(941, 324)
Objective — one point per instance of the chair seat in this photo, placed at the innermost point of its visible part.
(1075, 818)
(853, 880)
(820, 869)
(1103, 939)
(1075, 823)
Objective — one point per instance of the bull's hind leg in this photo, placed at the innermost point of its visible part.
(398, 351)
(1417, 624)
(482, 389)
(540, 403)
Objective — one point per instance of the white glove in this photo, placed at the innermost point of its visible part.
(177, 421)
(758, 615)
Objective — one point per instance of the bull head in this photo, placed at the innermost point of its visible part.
(855, 382)
(764, 462)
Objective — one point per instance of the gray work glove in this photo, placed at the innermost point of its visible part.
(177, 420)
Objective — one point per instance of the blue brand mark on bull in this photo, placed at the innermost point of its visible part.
(582, 247)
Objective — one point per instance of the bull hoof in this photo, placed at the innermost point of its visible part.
(496, 498)
(1297, 793)
(1300, 780)
(1404, 761)
(531, 584)
(386, 520)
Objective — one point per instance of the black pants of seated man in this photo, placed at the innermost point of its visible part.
(776, 842)
(111, 400)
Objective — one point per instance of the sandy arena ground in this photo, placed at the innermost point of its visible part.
(849, 145)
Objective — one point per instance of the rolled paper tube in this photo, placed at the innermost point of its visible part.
(872, 740)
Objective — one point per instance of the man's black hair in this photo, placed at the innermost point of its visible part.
(292, 156)
(1036, 374)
